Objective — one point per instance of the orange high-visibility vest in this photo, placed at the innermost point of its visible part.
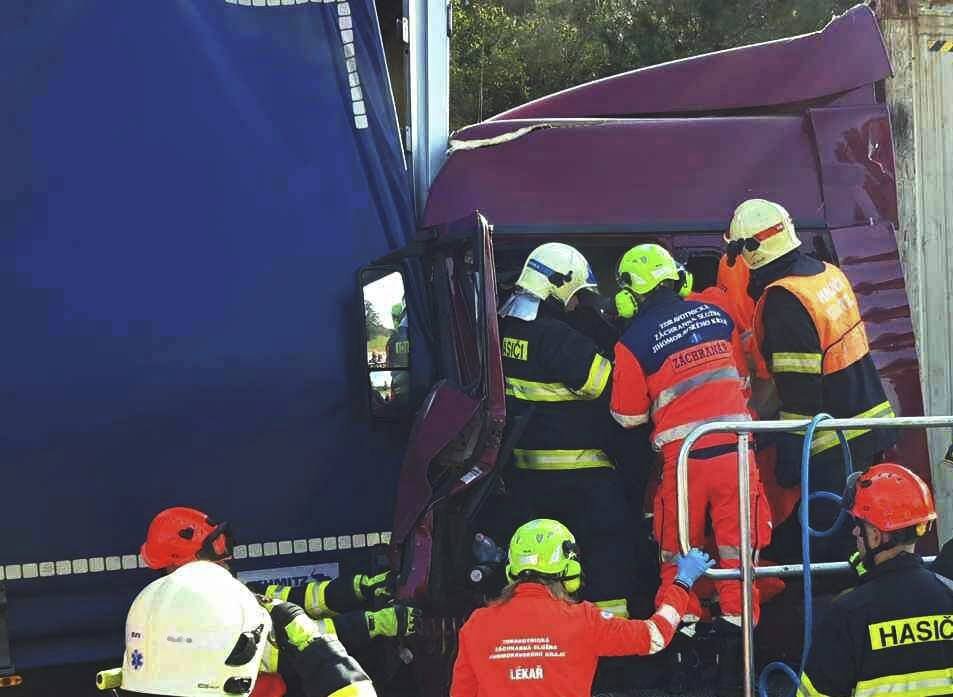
(830, 301)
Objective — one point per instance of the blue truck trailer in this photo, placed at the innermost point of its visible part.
(187, 189)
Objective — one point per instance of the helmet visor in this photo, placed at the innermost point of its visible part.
(218, 544)
(849, 497)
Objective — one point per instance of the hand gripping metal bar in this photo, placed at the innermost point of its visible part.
(747, 572)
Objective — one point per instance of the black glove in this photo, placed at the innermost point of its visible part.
(292, 627)
(319, 659)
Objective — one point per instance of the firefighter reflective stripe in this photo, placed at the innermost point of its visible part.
(910, 630)
(617, 607)
(560, 459)
(599, 372)
(807, 689)
(824, 440)
(927, 683)
(595, 384)
(680, 432)
(278, 592)
(810, 363)
(627, 421)
(669, 394)
(530, 391)
(315, 602)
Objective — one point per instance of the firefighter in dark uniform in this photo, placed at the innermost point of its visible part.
(892, 635)
(811, 341)
(559, 467)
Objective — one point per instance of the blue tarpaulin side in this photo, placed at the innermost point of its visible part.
(187, 191)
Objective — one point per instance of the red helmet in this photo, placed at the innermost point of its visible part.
(890, 497)
(179, 535)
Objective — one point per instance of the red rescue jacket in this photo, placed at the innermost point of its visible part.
(536, 645)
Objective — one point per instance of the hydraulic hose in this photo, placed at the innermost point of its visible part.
(807, 532)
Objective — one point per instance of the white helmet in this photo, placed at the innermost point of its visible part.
(769, 228)
(197, 631)
(557, 270)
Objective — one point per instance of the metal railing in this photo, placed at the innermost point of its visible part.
(747, 572)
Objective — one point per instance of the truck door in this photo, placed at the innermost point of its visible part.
(457, 432)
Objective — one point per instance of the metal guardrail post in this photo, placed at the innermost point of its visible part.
(744, 429)
(747, 606)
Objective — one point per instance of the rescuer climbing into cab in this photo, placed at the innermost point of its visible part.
(558, 379)
(676, 366)
(893, 634)
(536, 640)
(810, 338)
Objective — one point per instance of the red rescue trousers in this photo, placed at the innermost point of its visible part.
(712, 493)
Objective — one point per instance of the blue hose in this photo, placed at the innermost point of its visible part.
(807, 532)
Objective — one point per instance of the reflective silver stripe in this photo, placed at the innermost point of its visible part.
(675, 433)
(667, 395)
(727, 552)
(667, 557)
(626, 421)
(656, 640)
(669, 614)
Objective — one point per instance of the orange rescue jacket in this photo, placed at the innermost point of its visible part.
(536, 645)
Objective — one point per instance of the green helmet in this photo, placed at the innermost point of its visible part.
(643, 267)
(397, 311)
(688, 280)
(545, 548)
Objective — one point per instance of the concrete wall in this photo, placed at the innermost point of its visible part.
(920, 97)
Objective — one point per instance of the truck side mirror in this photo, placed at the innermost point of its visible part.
(387, 341)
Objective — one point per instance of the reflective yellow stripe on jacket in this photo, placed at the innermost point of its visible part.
(824, 440)
(927, 683)
(528, 390)
(560, 459)
(809, 363)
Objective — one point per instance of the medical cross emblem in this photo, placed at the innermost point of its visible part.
(136, 659)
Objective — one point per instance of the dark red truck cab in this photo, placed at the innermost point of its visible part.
(659, 154)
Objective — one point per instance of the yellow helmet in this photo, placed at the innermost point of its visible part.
(644, 267)
(761, 231)
(556, 270)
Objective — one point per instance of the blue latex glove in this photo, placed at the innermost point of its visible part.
(691, 567)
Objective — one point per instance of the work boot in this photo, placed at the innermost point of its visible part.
(730, 678)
